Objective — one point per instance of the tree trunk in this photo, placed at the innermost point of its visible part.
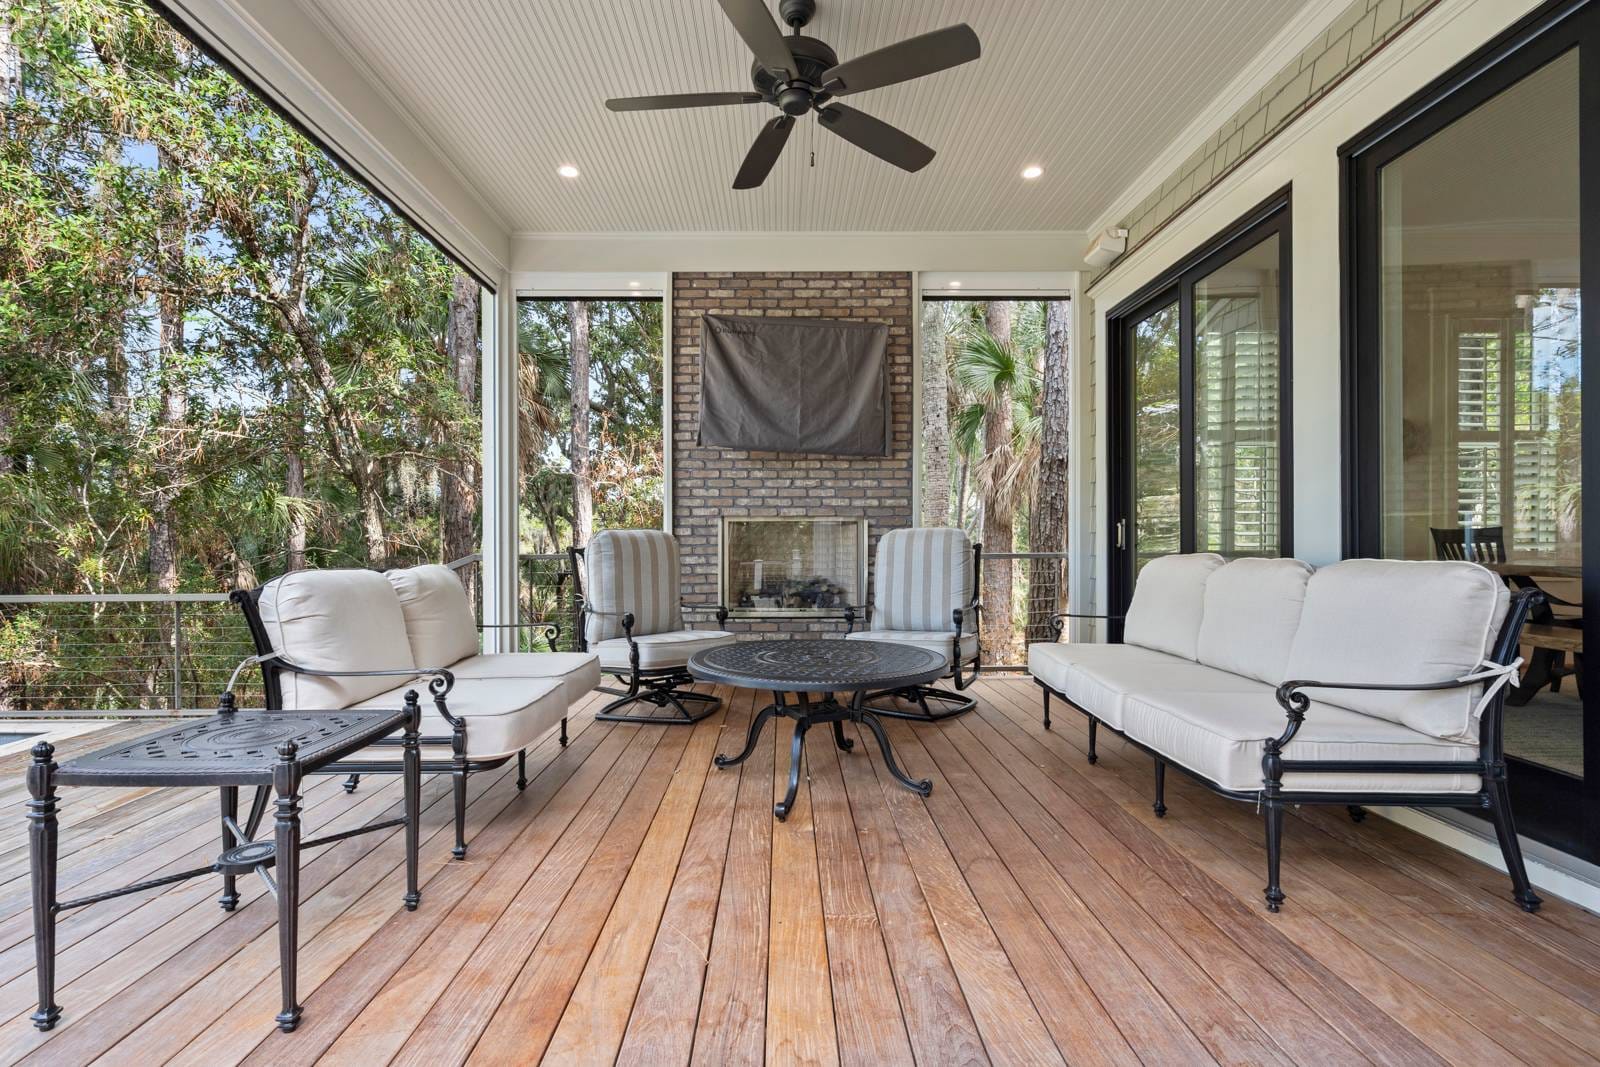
(935, 425)
(10, 93)
(582, 477)
(1048, 526)
(173, 412)
(294, 480)
(999, 629)
(459, 496)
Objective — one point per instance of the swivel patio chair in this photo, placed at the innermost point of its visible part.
(626, 584)
(925, 593)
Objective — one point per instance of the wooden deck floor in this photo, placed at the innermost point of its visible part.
(637, 905)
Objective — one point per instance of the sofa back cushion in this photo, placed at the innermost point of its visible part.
(439, 622)
(921, 576)
(1399, 621)
(631, 571)
(342, 620)
(1252, 611)
(1168, 602)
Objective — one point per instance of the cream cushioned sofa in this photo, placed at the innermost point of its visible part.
(355, 639)
(1363, 682)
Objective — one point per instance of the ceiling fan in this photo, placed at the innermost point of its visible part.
(798, 74)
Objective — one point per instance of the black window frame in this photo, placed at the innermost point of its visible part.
(1272, 217)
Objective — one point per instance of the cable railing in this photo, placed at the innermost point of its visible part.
(152, 654)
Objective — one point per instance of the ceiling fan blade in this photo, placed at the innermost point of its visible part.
(754, 23)
(911, 58)
(764, 153)
(659, 103)
(876, 136)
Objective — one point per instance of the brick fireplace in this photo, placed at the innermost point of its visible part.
(713, 484)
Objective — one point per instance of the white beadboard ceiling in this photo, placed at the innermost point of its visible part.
(1091, 90)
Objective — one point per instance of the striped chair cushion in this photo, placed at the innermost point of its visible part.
(922, 576)
(631, 571)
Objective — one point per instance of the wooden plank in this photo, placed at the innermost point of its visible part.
(1386, 973)
(499, 942)
(867, 1011)
(1067, 795)
(660, 1028)
(346, 948)
(800, 1026)
(731, 1024)
(1065, 956)
(604, 927)
(1126, 894)
(938, 1020)
(1006, 1017)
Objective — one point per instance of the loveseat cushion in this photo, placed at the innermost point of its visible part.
(439, 621)
(933, 640)
(631, 571)
(1168, 603)
(922, 575)
(1252, 610)
(503, 715)
(657, 651)
(1098, 678)
(578, 672)
(341, 620)
(1400, 621)
(1222, 736)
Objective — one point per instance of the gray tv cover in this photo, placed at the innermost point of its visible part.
(787, 385)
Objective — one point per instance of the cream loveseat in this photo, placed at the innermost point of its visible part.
(354, 638)
(1363, 682)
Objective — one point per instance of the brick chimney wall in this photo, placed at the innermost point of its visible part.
(708, 483)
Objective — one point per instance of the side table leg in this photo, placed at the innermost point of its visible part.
(845, 743)
(230, 818)
(413, 786)
(42, 859)
(286, 782)
(750, 738)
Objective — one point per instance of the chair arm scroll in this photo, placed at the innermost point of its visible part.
(1295, 703)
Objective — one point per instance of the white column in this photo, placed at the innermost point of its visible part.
(500, 477)
(1086, 473)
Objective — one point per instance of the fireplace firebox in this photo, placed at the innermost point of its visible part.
(793, 565)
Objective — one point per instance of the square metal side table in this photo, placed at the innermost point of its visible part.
(270, 750)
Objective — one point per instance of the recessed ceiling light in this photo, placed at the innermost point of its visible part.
(633, 285)
(567, 170)
(955, 285)
(1032, 171)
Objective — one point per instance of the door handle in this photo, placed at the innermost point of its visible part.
(1122, 534)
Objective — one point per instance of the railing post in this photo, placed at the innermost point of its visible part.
(177, 656)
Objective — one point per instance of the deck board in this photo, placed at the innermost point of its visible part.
(636, 904)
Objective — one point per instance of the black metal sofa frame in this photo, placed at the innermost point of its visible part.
(956, 703)
(440, 682)
(1493, 795)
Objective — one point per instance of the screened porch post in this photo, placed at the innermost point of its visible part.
(499, 543)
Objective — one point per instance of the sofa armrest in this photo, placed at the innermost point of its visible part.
(440, 680)
(1058, 621)
(1295, 703)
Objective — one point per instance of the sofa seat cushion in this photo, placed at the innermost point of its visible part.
(578, 672)
(1222, 736)
(659, 651)
(1400, 621)
(439, 621)
(932, 640)
(503, 715)
(1252, 610)
(1168, 603)
(335, 620)
(1098, 678)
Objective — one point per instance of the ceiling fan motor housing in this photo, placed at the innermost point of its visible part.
(813, 58)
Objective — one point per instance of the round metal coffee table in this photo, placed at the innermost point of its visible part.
(807, 669)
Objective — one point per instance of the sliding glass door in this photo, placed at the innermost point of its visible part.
(1473, 235)
(1200, 404)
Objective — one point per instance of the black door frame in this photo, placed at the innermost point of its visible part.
(1551, 806)
(1273, 216)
